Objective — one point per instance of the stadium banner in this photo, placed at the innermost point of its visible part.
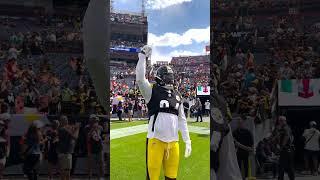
(203, 90)
(239, 34)
(299, 92)
(19, 123)
(126, 49)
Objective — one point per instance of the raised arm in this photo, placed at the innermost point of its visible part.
(143, 83)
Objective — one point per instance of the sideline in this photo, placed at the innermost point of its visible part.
(128, 131)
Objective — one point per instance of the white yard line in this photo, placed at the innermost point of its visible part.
(199, 130)
(128, 131)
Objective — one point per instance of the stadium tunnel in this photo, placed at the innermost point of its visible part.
(298, 119)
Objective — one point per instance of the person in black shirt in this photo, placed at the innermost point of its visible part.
(198, 105)
(285, 142)
(51, 147)
(120, 110)
(185, 106)
(244, 144)
(130, 110)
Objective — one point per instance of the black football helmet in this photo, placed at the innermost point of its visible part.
(164, 76)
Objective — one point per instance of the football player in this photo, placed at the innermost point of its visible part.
(166, 119)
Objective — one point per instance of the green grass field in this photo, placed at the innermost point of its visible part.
(200, 124)
(128, 158)
(123, 124)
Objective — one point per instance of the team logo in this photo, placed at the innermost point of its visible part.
(178, 98)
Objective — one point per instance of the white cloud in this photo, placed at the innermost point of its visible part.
(177, 53)
(160, 4)
(158, 56)
(174, 40)
(122, 1)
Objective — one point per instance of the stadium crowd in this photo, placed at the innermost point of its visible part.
(250, 56)
(257, 6)
(127, 44)
(128, 18)
(43, 72)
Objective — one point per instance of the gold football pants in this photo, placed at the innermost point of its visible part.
(162, 154)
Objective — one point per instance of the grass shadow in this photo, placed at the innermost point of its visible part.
(204, 135)
(119, 122)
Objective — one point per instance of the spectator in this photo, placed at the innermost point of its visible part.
(130, 110)
(286, 163)
(249, 78)
(66, 93)
(265, 154)
(198, 106)
(143, 110)
(120, 110)
(95, 146)
(207, 107)
(286, 72)
(52, 142)
(185, 106)
(312, 148)
(68, 135)
(31, 150)
(244, 144)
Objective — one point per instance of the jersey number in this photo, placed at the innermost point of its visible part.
(166, 104)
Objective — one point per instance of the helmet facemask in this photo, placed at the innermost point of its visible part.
(164, 76)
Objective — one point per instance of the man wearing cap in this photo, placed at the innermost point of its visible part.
(166, 119)
(95, 145)
(312, 147)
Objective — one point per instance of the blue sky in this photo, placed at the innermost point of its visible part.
(176, 27)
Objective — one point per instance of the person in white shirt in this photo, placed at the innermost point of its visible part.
(312, 147)
(286, 72)
(207, 107)
(166, 118)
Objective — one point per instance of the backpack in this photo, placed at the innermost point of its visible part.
(304, 140)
